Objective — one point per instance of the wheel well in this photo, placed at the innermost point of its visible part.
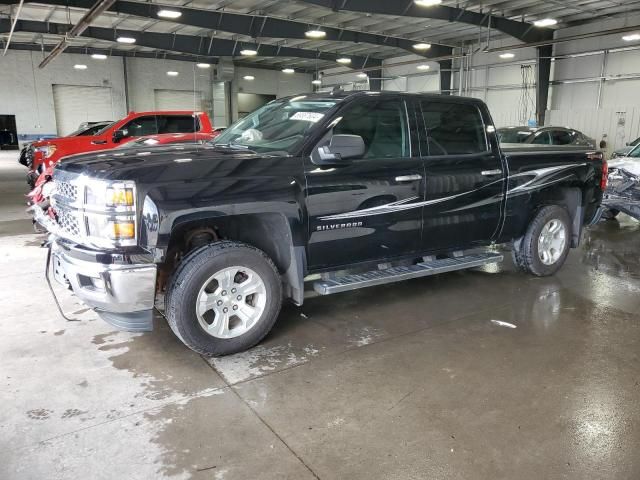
(270, 232)
(571, 200)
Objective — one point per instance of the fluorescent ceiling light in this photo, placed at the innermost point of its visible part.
(126, 40)
(423, 67)
(247, 52)
(344, 60)
(249, 77)
(171, 73)
(316, 82)
(422, 46)
(288, 70)
(165, 13)
(203, 65)
(507, 56)
(80, 67)
(631, 38)
(362, 75)
(545, 22)
(99, 56)
(427, 3)
(315, 34)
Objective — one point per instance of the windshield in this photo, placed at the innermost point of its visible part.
(279, 126)
(105, 128)
(635, 153)
(513, 135)
(87, 130)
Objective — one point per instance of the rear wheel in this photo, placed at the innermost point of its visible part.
(224, 298)
(545, 246)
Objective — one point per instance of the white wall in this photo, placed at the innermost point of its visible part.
(145, 75)
(27, 92)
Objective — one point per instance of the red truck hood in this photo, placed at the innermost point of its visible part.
(63, 141)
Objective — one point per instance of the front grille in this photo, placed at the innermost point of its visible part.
(67, 190)
(69, 223)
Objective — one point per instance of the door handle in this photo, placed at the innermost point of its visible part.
(99, 142)
(408, 178)
(488, 173)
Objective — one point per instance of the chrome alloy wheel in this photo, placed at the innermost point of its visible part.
(231, 302)
(551, 242)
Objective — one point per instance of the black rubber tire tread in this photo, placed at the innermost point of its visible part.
(187, 279)
(610, 214)
(527, 256)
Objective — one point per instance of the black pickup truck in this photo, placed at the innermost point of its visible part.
(334, 191)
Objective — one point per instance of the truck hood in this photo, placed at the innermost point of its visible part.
(168, 163)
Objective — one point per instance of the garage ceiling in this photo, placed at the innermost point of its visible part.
(209, 29)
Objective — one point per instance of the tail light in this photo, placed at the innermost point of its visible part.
(598, 156)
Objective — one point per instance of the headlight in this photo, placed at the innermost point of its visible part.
(110, 212)
(46, 150)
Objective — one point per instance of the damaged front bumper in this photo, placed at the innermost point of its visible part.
(119, 287)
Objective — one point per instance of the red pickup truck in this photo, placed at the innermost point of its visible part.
(137, 124)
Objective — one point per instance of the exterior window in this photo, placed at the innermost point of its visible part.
(561, 137)
(177, 124)
(142, 126)
(453, 129)
(543, 138)
(381, 124)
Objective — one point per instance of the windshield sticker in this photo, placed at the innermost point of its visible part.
(312, 117)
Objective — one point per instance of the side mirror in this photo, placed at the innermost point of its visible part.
(341, 148)
(118, 135)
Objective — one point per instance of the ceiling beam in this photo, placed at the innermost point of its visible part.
(523, 31)
(21, 46)
(187, 44)
(255, 26)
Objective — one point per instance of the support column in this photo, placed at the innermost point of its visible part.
(445, 76)
(543, 78)
(375, 80)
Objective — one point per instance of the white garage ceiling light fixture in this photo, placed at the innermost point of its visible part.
(545, 22)
(507, 56)
(634, 37)
(422, 46)
(315, 33)
(247, 52)
(99, 56)
(316, 82)
(427, 3)
(344, 60)
(362, 75)
(203, 65)
(423, 67)
(173, 73)
(288, 70)
(166, 13)
(126, 40)
(79, 66)
(249, 78)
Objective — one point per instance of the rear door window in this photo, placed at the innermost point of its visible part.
(561, 137)
(453, 128)
(177, 124)
(542, 138)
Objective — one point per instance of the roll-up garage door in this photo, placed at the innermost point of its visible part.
(178, 100)
(75, 104)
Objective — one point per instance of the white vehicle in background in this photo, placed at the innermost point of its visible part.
(623, 189)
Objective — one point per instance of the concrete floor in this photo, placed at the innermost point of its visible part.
(410, 381)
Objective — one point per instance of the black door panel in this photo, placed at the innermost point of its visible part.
(370, 208)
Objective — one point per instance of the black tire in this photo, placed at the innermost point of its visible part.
(526, 255)
(192, 275)
(610, 214)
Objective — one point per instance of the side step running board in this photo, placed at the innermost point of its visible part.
(396, 274)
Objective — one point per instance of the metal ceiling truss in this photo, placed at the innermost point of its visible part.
(255, 26)
(523, 31)
(187, 44)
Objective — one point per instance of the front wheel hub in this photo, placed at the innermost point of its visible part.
(224, 316)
